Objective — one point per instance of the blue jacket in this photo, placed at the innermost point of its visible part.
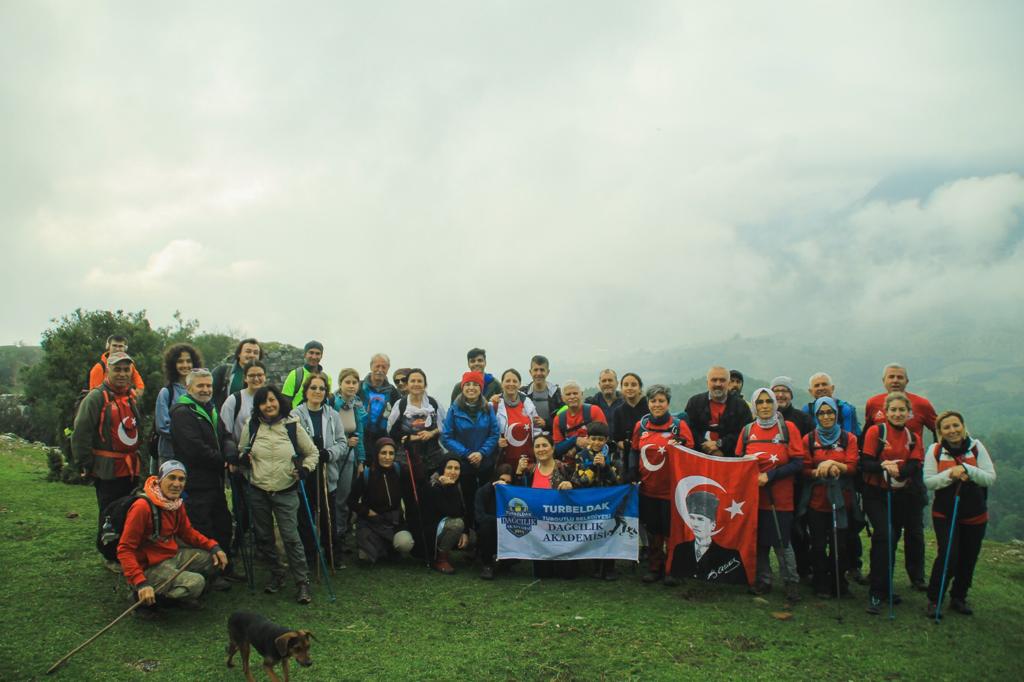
(462, 435)
(162, 420)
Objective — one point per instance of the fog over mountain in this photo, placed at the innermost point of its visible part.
(600, 182)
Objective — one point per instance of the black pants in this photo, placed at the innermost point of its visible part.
(800, 535)
(208, 512)
(415, 490)
(487, 541)
(962, 558)
(323, 508)
(823, 553)
(906, 517)
(107, 492)
(470, 480)
(854, 547)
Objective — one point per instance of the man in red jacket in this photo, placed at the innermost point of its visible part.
(895, 379)
(149, 558)
(922, 415)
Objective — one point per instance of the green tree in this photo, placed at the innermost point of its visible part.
(70, 349)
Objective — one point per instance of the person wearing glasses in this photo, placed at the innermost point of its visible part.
(234, 414)
(401, 379)
(829, 471)
(323, 424)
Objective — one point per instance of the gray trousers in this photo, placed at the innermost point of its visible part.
(345, 477)
(449, 532)
(285, 508)
(787, 564)
(190, 583)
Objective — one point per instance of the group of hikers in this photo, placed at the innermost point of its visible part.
(385, 469)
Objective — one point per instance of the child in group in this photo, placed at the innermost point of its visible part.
(594, 468)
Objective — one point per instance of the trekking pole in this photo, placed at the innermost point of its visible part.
(890, 558)
(114, 622)
(949, 550)
(835, 553)
(327, 518)
(316, 514)
(316, 541)
(245, 547)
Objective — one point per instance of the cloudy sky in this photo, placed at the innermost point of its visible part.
(574, 178)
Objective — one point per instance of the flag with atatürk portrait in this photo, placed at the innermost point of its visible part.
(714, 517)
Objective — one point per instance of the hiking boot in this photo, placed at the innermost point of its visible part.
(932, 609)
(234, 577)
(611, 575)
(275, 584)
(874, 605)
(854, 575)
(220, 584)
(760, 588)
(302, 596)
(189, 604)
(961, 606)
(919, 585)
(113, 566)
(651, 576)
(487, 572)
(793, 592)
(670, 580)
(441, 564)
(146, 613)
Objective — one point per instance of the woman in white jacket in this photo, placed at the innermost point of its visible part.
(957, 466)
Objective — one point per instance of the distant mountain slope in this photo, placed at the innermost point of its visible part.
(979, 371)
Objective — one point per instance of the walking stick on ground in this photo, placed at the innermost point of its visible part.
(949, 550)
(835, 555)
(114, 622)
(316, 541)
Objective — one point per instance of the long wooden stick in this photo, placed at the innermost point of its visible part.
(114, 622)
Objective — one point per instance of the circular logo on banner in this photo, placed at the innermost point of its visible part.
(518, 519)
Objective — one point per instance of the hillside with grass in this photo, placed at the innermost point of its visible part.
(404, 622)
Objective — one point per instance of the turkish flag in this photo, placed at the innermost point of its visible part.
(714, 517)
(519, 434)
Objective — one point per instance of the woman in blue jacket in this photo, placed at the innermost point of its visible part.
(470, 432)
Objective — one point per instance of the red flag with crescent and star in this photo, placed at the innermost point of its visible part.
(519, 434)
(713, 534)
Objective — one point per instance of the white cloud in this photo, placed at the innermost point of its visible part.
(669, 171)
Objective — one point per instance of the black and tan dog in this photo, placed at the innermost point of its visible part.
(275, 643)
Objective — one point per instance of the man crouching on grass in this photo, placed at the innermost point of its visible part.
(150, 558)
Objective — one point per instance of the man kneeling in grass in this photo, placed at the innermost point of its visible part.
(149, 557)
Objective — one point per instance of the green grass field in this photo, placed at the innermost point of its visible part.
(403, 622)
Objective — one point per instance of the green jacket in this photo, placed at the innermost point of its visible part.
(293, 384)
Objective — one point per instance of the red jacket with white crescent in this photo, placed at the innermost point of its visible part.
(778, 459)
(651, 443)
